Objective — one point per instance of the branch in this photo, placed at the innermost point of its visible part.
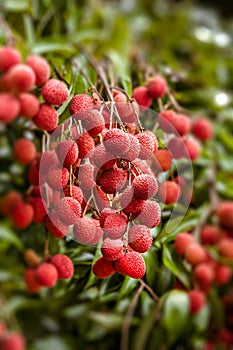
(150, 290)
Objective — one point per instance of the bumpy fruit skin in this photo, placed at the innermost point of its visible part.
(197, 300)
(150, 215)
(13, 341)
(85, 144)
(163, 160)
(22, 215)
(134, 149)
(225, 214)
(48, 160)
(177, 147)
(40, 209)
(31, 281)
(21, 78)
(142, 96)
(57, 177)
(115, 226)
(9, 107)
(80, 105)
(55, 92)
(204, 275)
(101, 158)
(63, 265)
(84, 230)
(202, 129)
(55, 226)
(103, 268)
(192, 149)
(157, 86)
(131, 264)
(113, 180)
(182, 241)
(67, 152)
(145, 186)
(140, 238)
(126, 109)
(94, 123)
(169, 192)
(74, 192)
(46, 118)
(181, 124)
(29, 105)
(223, 274)
(46, 275)
(225, 247)
(41, 68)
(129, 203)
(9, 56)
(104, 214)
(210, 234)
(99, 233)
(86, 177)
(24, 151)
(112, 249)
(69, 210)
(8, 202)
(195, 253)
(147, 145)
(116, 142)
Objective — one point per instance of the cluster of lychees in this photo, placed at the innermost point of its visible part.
(11, 340)
(211, 267)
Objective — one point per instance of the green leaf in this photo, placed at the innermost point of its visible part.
(52, 45)
(109, 321)
(51, 342)
(176, 314)
(17, 5)
(172, 261)
(7, 235)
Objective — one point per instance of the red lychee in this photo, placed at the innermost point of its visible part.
(147, 145)
(67, 152)
(85, 144)
(131, 264)
(69, 210)
(127, 110)
(84, 230)
(29, 105)
(9, 107)
(21, 78)
(31, 281)
(74, 192)
(24, 150)
(40, 209)
(47, 275)
(57, 177)
(103, 268)
(64, 266)
(40, 67)
(181, 124)
(225, 247)
(112, 249)
(168, 192)
(86, 177)
(177, 148)
(157, 86)
(163, 160)
(13, 341)
(101, 158)
(182, 241)
(22, 215)
(140, 238)
(223, 274)
(210, 234)
(134, 149)
(48, 160)
(55, 92)
(99, 233)
(115, 226)
(145, 186)
(142, 96)
(116, 142)
(192, 148)
(197, 300)
(150, 215)
(113, 180)
(129, 203)
(225, 214)
(94, 123)
(166, 120)
(8, 201)
(80, 105)
(104, 214)
(195, 253)
(202, 129)
(55, 226)
(9, 56)
(204, 275)
(46, 118)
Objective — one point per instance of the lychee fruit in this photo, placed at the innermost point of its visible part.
(55, 92)
(30, 278)
(55, 226)
(86, 177)
(13, 341)
(163, 160)
(202, 129)
(177, 148)
(24, 150)
(94, 123)
(74, 192)
(182, 240)
(46, 118)
(67, 152)
(40, 209)
(57, 177)
(225, 214)
(134, 149)
(40, 67)
(197, 300)
(113, 180)
(204, 275)
(8, 201)
(166, 120)
(103, 268)
(69, 210)
(223, 274)
(225, 247)
(115, 225)
(48, 160)
(181, 124)
(85, 144)
(142, 96)
(84, 230)
(47, 275)
(112, 249)
(22, 215)
(131, 264)
(129, 203)
(101, 158)
(21, 78)
(150, 215)
(140, 238)
(29, 105)
(144, 186)
(210, 234)
(147, 145)
(168, 192)
(9, 56)
(157, 86)
(192, 149)
(80, 105)
(9, 107)
(104, 214)
(116, 142)
(195, 253)
(64, 266)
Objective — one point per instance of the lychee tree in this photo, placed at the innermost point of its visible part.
(116, 177)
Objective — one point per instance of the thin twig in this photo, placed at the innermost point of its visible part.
(46, 247)
(127, 320)
(150, 290)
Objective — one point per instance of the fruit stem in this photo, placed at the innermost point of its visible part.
(46, 247)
